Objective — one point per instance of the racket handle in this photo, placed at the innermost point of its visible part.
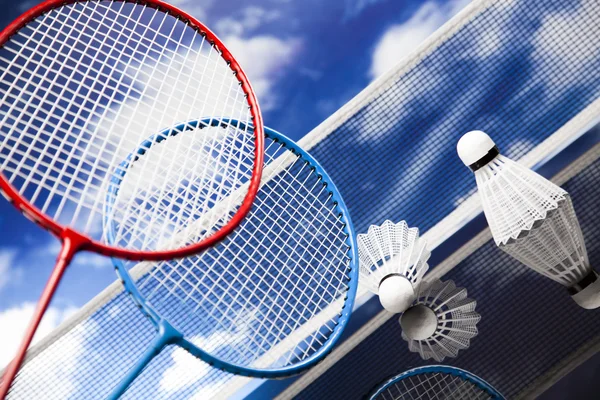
(72, 242)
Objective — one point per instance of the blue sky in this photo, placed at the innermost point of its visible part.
(304, 58)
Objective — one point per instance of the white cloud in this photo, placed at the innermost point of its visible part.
(115, 310)
(566, 53)
(355, 7)
(264, 59)
(313, 74)
(55, 371)
(93, 260)
(196, 8)
(401, 40)
(26, 5)
(488, 41)
(188, 370)
(53, 248)
(249, 19)
(17, 318)
(8, 270)
(393, 112)
(517, 148)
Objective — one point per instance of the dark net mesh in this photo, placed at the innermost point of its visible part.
(529, 323)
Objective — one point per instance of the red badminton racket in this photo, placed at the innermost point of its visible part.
(84, 84)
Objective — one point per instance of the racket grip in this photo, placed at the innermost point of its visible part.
(72, 242)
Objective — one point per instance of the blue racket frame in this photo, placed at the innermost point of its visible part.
(167, 333)
(466, 375)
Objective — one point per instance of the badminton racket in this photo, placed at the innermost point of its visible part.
(83, 84)
(436, 382)
(272, 298)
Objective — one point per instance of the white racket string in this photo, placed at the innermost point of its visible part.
(187, 190)
(135, 77)
(27, 153)
(155, 172)
(87, 84)
(237, 278)
(170, 205)
(103, 146)
(192, 196)
(275, 256)
(429, 386)
(282, 160)
(76, 116)
(287, 227)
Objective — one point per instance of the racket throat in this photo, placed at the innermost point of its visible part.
(72, 242)
(167, 334)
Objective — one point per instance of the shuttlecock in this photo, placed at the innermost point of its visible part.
(393, 259)
(441, 321)
(531, 218)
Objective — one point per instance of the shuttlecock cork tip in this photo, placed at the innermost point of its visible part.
(396, 293)
(419, 322)
(589, 296)
(476, 149)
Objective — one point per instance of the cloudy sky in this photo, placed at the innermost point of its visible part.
(304, 58)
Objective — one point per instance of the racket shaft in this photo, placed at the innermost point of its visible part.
(166, 335)
(71, 244)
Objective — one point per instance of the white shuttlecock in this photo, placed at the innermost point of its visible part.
(531, 218)
(393, 259)
(441, 321)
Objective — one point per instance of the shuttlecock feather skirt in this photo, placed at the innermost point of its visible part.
(392, 249)
(553, 246)
(456, 321)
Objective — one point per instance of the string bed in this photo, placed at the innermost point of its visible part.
(285, 268)
(85, 85)
(199, 184)
(433, 385)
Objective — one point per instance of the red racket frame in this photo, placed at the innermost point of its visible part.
(74, 241)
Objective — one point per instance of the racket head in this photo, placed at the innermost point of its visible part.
(237, 298)
(34, 79)
(417, 383)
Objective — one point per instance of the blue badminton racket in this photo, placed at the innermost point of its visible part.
(273, 297)
(439, 382)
